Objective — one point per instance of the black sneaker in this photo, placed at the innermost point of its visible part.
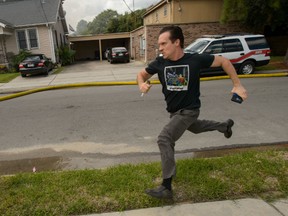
(160, 192)
(228, 132)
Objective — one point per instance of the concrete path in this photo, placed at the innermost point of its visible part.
(241, 207)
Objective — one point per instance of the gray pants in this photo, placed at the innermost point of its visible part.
(181, 121)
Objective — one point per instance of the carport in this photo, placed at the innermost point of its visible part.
(92, 47)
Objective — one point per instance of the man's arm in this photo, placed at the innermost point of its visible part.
(227, 66)
(142, 77)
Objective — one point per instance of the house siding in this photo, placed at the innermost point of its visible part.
(44, 36)
(43, 42)
(11, 44)
(185, 11)
(60, 38)
(158, 15)
(196, 11)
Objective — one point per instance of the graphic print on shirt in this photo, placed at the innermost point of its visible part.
(177, 77)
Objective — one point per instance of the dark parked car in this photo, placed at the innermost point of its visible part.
(118, 54)
(35, 64)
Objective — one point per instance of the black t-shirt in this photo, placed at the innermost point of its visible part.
(181, 79)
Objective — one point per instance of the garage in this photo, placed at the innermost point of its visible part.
(92, 47)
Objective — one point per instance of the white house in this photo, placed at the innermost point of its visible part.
(38, 26)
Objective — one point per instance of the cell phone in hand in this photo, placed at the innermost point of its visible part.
(236, 98)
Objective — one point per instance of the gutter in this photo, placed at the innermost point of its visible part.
(34, 24)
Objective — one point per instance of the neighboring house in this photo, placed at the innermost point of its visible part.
(195, 17)
(38, 26)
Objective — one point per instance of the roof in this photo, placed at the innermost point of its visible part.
(99, 36)
(154, 7)
(29, 12)
(5, 24)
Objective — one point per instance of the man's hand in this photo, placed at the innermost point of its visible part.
(240, 90)
(220, 61)
(143, 81)
(145, 87)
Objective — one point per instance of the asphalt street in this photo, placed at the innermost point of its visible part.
(97, 126)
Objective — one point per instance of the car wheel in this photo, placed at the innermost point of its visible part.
(111, 62)
(247, 67)
(23, 75)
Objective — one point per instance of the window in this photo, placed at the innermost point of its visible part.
(232, 45)
(156, 17)
(32, 35)
(27, 39)
(165, 10)
(22, 40)
(257, 43)
(214, 48)
(197, 46)
(142, 46)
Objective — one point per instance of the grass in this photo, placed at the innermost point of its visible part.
(58, 70)
(7, 77)
(276, 63)
(262, 174)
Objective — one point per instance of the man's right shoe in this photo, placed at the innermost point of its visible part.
(228, 132)
(160, 192)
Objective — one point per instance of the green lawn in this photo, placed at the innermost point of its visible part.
(7, 77)
(261, 174)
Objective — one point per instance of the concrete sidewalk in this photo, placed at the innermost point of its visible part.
(103, 71)
(241, 207)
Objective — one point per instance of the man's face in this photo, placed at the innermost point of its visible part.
(166, 47)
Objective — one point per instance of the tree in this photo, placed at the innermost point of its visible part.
(257, 13)
(100, 23)
(82, 27)
(269, 16)
(109, 21)
(126, 22)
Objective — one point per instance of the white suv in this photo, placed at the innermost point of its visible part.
(244, 51)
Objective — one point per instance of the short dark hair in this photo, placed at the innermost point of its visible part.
(175, 33)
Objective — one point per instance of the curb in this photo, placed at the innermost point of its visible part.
(118, 83)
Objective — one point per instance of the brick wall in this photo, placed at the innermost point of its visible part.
(136, 37)
(191, 31)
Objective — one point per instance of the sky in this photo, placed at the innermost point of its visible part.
(77, 10)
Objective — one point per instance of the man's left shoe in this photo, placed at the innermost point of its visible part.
(160, 192)
(228, 132)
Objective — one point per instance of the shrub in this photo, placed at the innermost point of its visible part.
(66, 55)
(15, 60)
(3, 69)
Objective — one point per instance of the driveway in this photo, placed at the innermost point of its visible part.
(86, 71)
